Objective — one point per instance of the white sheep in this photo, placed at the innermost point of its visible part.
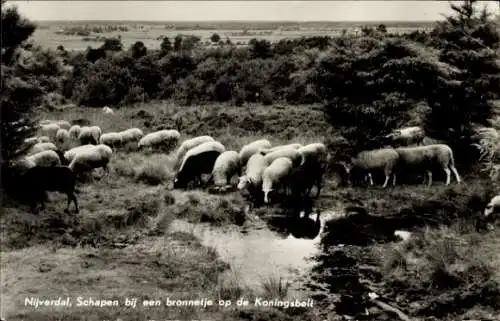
(90, 158)
(493, 206)
(31, 140)
(107, 110)
(226, 166)
(265, 151)
(49, 130)
(43, 139)
(429, 156)
(62, 139)
(131, 135)
(45, 122)
(44, 158)
(187, 145)
(40, 147)
(407, 136)
(70, 154)
(63, 124)
(249, 149)
(252, 180)
(295, 156)
(89, 135)
(367, 161)
(166, 137)
(74, 132)
(111, 139)
(276, 174)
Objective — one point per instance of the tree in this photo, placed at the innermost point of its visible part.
(138, 49)
(18, 94)
(178, 43)
(382, 28)
(112, 44)
(215, 38)
(469, 41)
(166, 46)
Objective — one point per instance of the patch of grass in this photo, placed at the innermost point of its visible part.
(275, 288)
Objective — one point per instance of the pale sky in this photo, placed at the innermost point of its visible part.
(239, 10)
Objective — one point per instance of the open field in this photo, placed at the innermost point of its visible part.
(51, 33)
(131, 238)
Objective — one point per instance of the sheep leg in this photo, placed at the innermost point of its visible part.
(448, 175)
(393, 179)
(429, 174)
(455, 172)
(386, 180)
(370, 178)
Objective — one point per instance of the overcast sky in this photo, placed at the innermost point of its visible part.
(238, 10)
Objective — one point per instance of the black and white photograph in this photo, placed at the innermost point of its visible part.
(250, 160)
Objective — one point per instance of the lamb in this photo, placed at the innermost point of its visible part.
(295, 156)
(384, 158)
(111, 139)
(252, 180)
(37, 180)
(197, 161)
(493, 206)
(167, 138)
(265, 151)
(276, 174)
(40, 147)
(407, 136)
(225, 166)
(131, 135)
(90, 158)
(312, 170)
(189, 144)
(427, 157)
(248, 150)
(49, 130)
(62, 139)
(89, 135)
(43, 139)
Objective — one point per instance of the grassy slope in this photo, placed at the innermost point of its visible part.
(128, 219)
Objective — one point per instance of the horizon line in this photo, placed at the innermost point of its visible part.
(212, 21)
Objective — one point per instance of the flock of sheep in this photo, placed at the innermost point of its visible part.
(63, 151)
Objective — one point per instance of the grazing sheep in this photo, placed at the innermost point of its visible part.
(168, 138)
(265, 151)
(40, 147)
(367, 161)
(89, 135)
(44, 158)
(131, 135)
(74, 132)
(407, 136)
(427, 157)
(197, 161)
(493, 206)
(63, 124)
(431, 141)
(37, 180)
(62, 139)
(107, 110)
(31, 140)
(252, 180)
(49, 130)
(88, 159)
(187, 145)
(249, 149)
(312, 170)
(70, 154)
(276, 174)
(295, 156)
(225, 167)
(111, 139)
(45, 122)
